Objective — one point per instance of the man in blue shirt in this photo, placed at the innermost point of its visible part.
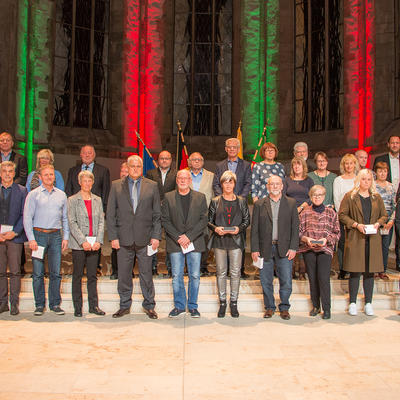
(45, 215)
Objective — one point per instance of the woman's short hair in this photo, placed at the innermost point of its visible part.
(228, 176)
(298, 160)
(381, 165)
(372, 190)
(85, 173)
(349, 157)
(315, 188)
(42, 154)
(266, 146)
(320, 154)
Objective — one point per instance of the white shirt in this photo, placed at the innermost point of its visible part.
(164, 175)
(340, 188)
(394, 170)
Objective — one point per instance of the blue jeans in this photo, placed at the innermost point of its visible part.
(284, 271)
(178, 265)
(52, 247)
(386, 239)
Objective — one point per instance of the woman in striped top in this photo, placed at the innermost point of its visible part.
(319, 231)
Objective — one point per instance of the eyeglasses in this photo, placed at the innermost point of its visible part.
(164, 158)
(318, 195)
(196, 159)
(232, 147)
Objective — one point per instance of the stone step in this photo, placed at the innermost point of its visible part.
(208, 285)
(209, 303)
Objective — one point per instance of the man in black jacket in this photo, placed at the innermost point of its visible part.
(7, 154)
(165, 176)
(184, 218)
(275, 238)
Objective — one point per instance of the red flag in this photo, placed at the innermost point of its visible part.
(182, 154)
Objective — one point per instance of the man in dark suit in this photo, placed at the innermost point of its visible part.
(7, 154)
(133, 222)
(12, 236)
(240, 167)
(101, 186)
(275, 238)
(184, 218)
(391, 159)
(165, 176)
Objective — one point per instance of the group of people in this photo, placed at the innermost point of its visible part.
(299, 218)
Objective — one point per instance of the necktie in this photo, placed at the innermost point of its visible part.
(134, 196)
(86, 167)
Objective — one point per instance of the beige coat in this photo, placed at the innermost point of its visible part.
(354, 250)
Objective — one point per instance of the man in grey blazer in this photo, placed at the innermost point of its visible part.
(275, 238)
(184, 218)
(133, 222)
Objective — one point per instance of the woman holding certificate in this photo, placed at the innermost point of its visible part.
(362, 212)
(86, 223)
(228, 218)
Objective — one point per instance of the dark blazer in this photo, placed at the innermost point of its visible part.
(241, 219)
(21, 168)
(170, 180)
(173, 220)
(15, 215)
(101, 186)
(129, 227)
(384, 158)
(261, 227)
(243, 177)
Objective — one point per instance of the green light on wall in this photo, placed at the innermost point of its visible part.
(259, 73)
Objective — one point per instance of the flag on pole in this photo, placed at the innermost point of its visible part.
(181, 153)
(240, 138)
(148, 161)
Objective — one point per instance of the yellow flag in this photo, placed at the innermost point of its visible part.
(239, 137)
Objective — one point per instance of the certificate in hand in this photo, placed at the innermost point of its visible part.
(229, 228)
(370, 230)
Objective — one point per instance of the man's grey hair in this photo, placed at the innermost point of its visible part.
(230, 139)
(10, 164)
(134, 157)
(300, 144)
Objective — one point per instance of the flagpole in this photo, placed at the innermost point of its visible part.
(259, 142)
(178, 123)
(145, 148)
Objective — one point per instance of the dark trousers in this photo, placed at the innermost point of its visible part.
(10, 254)
(80, 258)
(368, 285)
(397, 247)
(318, 270)
(340, 247)
(114, 262)
(126, 256)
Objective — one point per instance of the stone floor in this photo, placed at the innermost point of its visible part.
(99, 358)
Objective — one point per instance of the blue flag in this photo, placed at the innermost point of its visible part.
(148, 162)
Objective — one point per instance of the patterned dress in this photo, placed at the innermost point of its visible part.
(261, 172)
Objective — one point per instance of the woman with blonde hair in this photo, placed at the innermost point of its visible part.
(43, 158)
(349, 168)
(362, 212)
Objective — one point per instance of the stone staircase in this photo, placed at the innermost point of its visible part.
(386, 295)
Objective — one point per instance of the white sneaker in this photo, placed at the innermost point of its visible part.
(353, 309)
(368, 309)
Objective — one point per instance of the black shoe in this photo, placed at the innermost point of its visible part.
(121, 312)
(97, 311)
(234, 310)
(175, 313)
(154, 272)
(326, 315)
(341, 275)
(14, 309)
(4, 307)
(222, 309)
(57, 310)
(77, 313)
(39, 311)
(168, 275)
(113, 277)
(204, 272)
(194, 313)
(245, 276)
(315, 311)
